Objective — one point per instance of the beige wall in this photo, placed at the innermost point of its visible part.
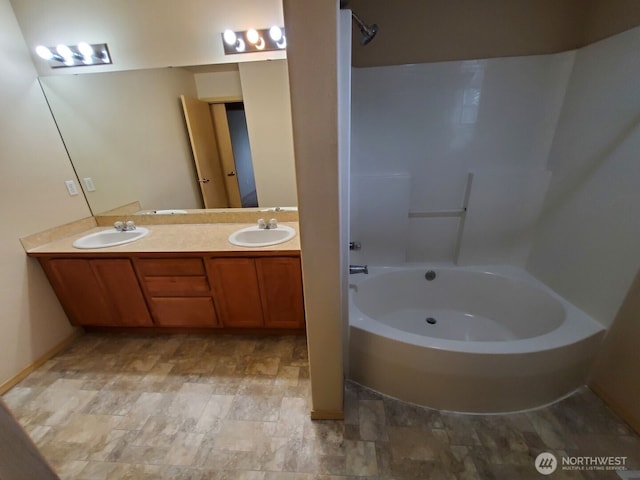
(218, 85)
(418, 31)
(33, 196)
(126, 131)
(265, 90)
(615, 375)
(608, 17)
(313, 84)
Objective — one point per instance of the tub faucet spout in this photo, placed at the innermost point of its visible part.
(359, 269)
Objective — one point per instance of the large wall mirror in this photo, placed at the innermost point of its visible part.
(168, 139)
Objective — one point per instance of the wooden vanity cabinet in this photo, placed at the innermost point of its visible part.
(98, 292)
(188, 290)
(258, 292)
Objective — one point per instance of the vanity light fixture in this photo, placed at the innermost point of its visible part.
(254, 40)
(78, 55)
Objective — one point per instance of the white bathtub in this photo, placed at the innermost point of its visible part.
(478, 340)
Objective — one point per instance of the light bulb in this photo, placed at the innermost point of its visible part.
(253, 36)
(66, 53)
(229, 37)
(240, 45)
(260, 45)
(85, 49)
(282, 43)
(275, 33)
(87, 52)
(44, 52)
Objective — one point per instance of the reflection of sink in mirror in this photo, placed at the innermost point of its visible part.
(280, 209)
(261, 237)
(165, 212)
(110, 238)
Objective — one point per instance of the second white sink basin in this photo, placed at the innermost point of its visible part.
(110, 238)
(261, 237)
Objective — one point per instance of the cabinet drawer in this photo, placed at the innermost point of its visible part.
(171, 266)
(184, 312)
(177, 286)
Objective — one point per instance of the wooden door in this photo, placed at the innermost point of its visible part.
(236, 293)
(280, 280)
(205, 152)
(223, 136)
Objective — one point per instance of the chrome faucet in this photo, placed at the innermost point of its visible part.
(124, 226)
(273, 223)
(359, 269)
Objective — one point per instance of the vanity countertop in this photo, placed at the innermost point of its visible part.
(210, 237)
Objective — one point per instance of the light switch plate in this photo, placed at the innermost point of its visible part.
(88, 184)
(71, 187)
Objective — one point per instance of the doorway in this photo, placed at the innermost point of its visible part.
(237, 122)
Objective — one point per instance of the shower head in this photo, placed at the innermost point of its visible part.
(368, 32)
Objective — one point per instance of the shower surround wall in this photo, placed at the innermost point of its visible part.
(586, 246)
(573, 118)
(436, 123)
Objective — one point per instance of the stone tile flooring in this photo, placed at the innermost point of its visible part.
(230, 407)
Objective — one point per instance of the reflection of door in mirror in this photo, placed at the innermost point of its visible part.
(205, 153)
(221, 153)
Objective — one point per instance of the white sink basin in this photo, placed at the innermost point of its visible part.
(261, 237)
(110, 238)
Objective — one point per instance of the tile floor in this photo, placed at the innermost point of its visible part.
(229, 407)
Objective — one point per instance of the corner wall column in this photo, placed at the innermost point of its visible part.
(312, 56)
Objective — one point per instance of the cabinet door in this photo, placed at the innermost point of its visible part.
(102, 292)
(236, 294)
(280, 281)
(121, 287)
(78, 290)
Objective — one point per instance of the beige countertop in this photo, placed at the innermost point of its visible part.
(210, 237)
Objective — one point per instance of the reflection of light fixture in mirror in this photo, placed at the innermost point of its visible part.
(253, 36)
(87, 53)
(254, 40)
(66, 54)
(75, 55)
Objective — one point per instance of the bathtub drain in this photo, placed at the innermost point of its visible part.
(431, 320)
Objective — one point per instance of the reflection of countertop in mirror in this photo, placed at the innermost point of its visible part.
(133, 212)
(212, 237)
